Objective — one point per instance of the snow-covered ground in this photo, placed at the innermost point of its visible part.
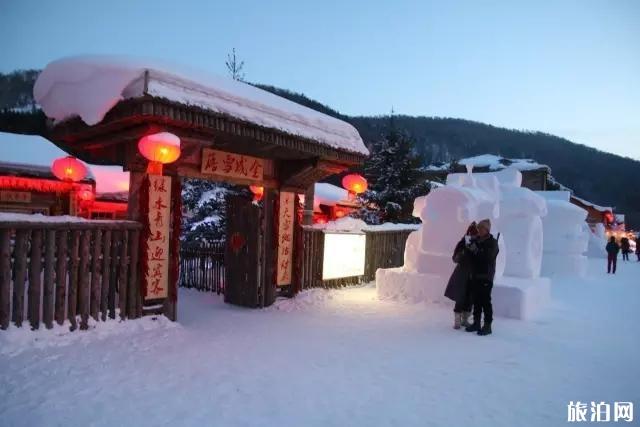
(331, 358)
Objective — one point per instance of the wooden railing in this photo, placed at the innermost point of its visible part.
(57, 271)
(384, 249)
(202, 266)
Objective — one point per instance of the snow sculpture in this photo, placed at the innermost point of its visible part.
(597, 242)
(446, 213)
(565, 237)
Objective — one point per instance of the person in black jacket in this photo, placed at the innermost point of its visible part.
(625, 246)
(612, 255)
(458, 288)
(483, 253)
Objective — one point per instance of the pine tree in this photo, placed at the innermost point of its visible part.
(205, 203)
(234, 66)
(395, 179)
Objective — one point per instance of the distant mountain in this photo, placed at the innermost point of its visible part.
(603, 178)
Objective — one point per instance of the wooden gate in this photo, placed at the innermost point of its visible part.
(202, 266)
(248, 279)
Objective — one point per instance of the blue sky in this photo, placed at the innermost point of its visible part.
(571, 68)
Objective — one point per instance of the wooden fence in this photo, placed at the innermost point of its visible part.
(57, 271)
(202, 266)
(384, 249)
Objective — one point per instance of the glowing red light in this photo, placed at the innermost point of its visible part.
(258, 192)
(69, 169)
(163, 147)
(355, 183)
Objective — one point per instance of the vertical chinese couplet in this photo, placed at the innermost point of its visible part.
(285, 238)
(158, 240)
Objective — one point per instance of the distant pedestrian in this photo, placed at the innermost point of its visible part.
(638, 249)
(483, 251)
(625, 246)
(612, 255)
(459, 288)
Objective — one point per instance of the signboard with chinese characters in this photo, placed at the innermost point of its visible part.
(15, 196)
(285, 238)
(158, 240)
(232, 165)
(344, 255)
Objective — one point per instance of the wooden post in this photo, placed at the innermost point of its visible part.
(134, 290)
(49, 265)
(72, 305)
(20, 256)
(84, 284)
(61, 275)
(113, 279)
(307, 215)
(106, 273)
(95, 274)
(122, 277)
(5, 277)
(35, 282)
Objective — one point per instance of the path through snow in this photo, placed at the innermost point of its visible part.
(331, 358)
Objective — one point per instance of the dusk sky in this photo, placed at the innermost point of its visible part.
(571, 68)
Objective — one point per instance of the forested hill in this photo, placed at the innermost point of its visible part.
(601, 177)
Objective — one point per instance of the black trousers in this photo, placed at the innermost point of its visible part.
(464, 305)
(625, 256)
(481, 291)
(612, 261)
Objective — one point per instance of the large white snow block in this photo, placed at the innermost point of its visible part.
(512, 297)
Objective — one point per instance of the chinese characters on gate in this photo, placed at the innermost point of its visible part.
(285, 238)
(232, 165)
(599, 412)
(158, 240)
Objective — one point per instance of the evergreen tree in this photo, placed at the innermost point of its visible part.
(395, 179)
(235, 66)
(205, 204)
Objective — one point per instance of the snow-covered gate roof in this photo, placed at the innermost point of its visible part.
(90, 97)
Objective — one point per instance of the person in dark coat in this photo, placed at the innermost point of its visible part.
(458, 288)
(483, 253)
(638, 249)
(625, 246)
(612, 255)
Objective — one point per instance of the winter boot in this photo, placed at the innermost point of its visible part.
(475, 326)
(457, 319)
(486, 329)
(465, 319)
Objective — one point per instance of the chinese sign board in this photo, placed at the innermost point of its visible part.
(232, 165)
(157, 273)
(285, 238)
(344, 255)
(15, 196)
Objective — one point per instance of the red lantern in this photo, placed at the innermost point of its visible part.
(258, 192)
(160, 149)
(608, 218)
(86, 195)
(69, 169)
(354, 183)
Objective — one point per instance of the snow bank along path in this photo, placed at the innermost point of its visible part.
(89, 86)
(331, 358)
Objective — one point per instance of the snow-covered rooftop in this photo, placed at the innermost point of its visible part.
(37, 153)
(494, 162)
(593, 205)
(90, 86)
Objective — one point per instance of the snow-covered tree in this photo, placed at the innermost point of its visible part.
(393, 172)
(205, 205)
